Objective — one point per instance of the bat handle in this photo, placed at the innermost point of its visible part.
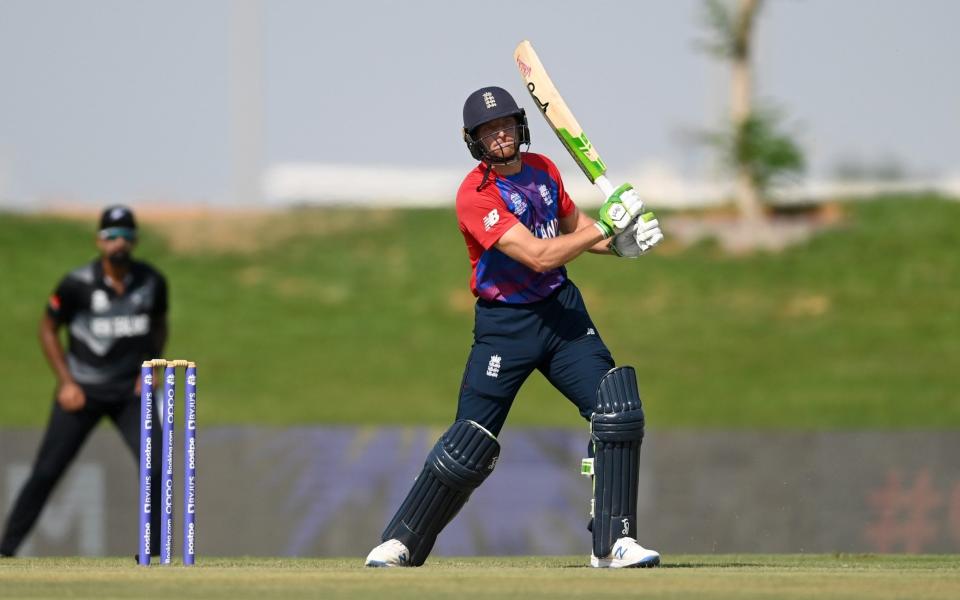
(604, 185)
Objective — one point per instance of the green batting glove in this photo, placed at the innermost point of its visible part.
(643, 234)
(616, 213)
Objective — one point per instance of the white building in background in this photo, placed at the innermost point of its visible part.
(320, 184)
(329, 184)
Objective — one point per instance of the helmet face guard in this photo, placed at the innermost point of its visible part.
(488, 104)
(481, 151)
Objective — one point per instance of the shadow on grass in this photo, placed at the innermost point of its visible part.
(683, 565)
(706, 565)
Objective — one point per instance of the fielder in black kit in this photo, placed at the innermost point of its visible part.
(115, 312)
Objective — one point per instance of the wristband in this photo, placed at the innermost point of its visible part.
(605, 230)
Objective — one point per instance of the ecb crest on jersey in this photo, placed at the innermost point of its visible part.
(518, 203)
(545, 194)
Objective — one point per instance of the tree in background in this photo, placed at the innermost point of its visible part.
(753, 145)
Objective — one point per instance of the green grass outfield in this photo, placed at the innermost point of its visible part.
(824, 577)
(338, 316)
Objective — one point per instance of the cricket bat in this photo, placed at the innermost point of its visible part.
(560, 118)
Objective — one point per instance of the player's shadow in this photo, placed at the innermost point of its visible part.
(683, 565)
(705, 565)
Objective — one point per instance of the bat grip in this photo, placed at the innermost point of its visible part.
(604, 185)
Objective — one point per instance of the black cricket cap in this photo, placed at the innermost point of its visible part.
(486, 104)
(117, 216)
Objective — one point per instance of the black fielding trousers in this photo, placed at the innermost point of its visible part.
(66, 432)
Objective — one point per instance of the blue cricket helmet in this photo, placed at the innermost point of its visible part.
(488, 104)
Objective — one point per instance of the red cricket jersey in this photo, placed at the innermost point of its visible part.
(534, 197)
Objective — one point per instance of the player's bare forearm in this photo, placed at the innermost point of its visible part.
(576, 221)
(558, 251)
(601, 247)
(542, 255)
(53, 349)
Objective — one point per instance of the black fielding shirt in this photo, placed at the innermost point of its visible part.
(110, 335)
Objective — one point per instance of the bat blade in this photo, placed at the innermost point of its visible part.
(558, 114)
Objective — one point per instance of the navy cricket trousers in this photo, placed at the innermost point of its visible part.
(554, 336)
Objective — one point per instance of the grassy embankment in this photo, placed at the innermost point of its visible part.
(332, 316)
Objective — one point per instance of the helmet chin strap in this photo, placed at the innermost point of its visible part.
(490, 164)
(514, 160)
(486, 174)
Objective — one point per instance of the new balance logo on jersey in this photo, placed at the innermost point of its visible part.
(492, 218)
(546, 195)
(493, 367)
(590, 331)
(519, 204)
(489, 100)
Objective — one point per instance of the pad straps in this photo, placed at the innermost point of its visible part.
(616, 430)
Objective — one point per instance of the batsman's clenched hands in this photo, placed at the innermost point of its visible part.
(618, 211)
(70, 397)
(641, 235)
(648, 232)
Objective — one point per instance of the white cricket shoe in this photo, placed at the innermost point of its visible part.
(627, 553)
(391, 553)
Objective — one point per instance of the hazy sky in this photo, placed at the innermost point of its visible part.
(128, 100)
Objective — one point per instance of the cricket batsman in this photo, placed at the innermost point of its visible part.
(521, 227)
